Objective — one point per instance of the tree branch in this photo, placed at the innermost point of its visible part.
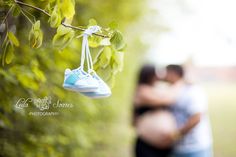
(64, 24)
(31, 6)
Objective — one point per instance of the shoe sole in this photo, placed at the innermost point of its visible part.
(76, 89)
(96, 96)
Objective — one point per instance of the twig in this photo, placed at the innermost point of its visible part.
(26, 11)
(31, 6)
(22, 11)
(7, 15)
(64, 24)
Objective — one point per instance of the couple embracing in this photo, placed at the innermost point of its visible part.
(170, 121)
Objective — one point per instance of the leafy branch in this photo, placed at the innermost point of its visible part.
(107, 47)
(63, 23)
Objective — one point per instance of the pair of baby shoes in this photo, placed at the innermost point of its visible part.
(90, 85)
(87, 83)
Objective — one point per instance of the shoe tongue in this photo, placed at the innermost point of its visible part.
(79, 71)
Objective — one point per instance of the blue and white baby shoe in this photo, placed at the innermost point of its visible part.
(101, 92)
(79, 81)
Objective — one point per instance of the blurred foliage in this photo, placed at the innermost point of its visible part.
(33, 67)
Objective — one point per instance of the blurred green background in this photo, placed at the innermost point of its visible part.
(222, 100)
(100, 128)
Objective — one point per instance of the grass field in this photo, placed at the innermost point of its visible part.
(222, 109)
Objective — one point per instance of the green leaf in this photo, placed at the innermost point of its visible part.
(117, 40)
(36, 35)
(67, 8)
(105, 42)
(55, 19)
(7, 2)
(39, 74)
(16, 11)
(63, 37)
(105, 57)
(9, 53)
(105, 73)
(94, 41)
(27, 80)
(13, 39)
(95, 52)
(61, 30)
(92, 22)
(118, 62)
(36, 25)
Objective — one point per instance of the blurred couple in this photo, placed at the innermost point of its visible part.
(170, 121)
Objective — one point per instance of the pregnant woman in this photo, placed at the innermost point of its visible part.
(155, 125)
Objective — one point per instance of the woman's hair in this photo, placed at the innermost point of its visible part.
(147, 74)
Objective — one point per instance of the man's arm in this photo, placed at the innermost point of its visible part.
(190, 124)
